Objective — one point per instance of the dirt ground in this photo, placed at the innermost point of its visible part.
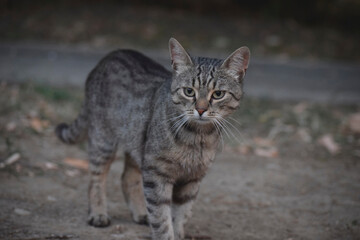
(277, 182)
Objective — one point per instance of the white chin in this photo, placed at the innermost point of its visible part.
(202, 120)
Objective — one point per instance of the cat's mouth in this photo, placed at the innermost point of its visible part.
(201, 120)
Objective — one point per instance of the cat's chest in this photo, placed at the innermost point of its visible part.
(194, 157)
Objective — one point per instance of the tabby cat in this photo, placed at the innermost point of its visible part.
(168, 124)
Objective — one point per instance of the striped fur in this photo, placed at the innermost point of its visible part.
(76, 131)
(169, 135)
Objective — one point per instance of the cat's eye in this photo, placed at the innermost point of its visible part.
(218, 94)
(189, 92)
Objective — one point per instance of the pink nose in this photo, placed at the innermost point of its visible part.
(201, 111)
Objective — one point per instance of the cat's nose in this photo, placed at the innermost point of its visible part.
(201, 111)
(201, 105)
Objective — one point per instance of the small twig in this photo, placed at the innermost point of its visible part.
(10, 160)
(198, 237)
(54, 236)
(51, 237)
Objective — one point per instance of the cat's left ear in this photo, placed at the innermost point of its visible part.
(180, 59)
(237, 63)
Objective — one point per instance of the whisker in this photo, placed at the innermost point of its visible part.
(219, 131)
(236, 121)
(237, 130)
(227, 127)
(184, 120)
(176, 124)
(176, 117)
(171, 119)
(222, 125)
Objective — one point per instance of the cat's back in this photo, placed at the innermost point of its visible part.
(122, 73)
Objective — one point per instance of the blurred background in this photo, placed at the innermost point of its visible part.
(326, 29)
(289, 167)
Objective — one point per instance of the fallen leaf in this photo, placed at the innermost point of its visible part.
(21, 212)
(10, 126)
(244, 149)
(51, 198)
(304, 135)
(10, 160)
(328, 142)
(51, 166)
(72, 173)
(263, 142)
(35, 123)
(354, 123)
(118, 235)
(77, 163)
(38, 125)
(271, 152)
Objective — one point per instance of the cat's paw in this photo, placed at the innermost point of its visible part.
(140, 219)
(99, 220)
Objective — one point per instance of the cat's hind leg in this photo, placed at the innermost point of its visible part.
(101, 155)
(132, 186)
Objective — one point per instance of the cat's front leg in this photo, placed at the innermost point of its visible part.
(158, 192)
(101, 155)
(184, 195)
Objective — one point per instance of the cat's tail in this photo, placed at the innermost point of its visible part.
(76, 131)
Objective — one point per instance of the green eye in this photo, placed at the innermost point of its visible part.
(189, 92)
(218, 94)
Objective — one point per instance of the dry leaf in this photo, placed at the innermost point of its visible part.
(354, 123)
(328, 142)
(72, 173)
(304, 135)
(38, 125)
(35, 123)
(51, 198)
(263, 142)
(11, 126)
(21, 212)
(51, 166)
(10, 160)
(77, 163)
(244, 149)
(267, 152)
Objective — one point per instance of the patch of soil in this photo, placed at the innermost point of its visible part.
(301, 192)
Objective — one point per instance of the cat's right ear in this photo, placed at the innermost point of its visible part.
(180, 59)
(237, 63)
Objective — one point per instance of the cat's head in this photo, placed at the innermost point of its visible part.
(207, 90)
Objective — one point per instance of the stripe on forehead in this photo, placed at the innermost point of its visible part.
(205, 71)
(204, 75)
(199, 75)
(210, 76)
